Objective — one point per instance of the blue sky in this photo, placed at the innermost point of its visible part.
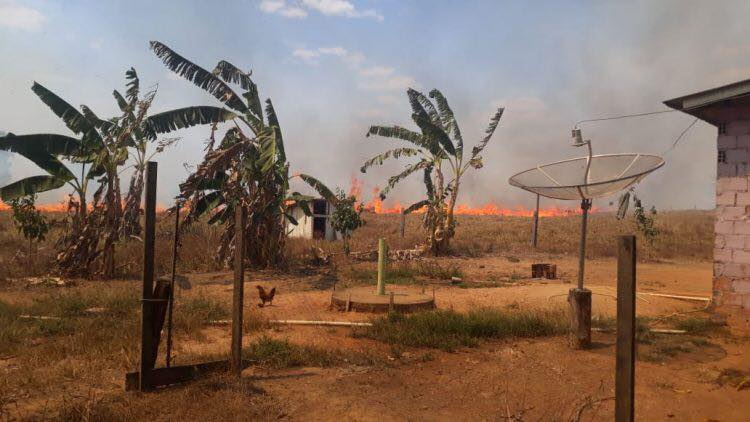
(333, 67)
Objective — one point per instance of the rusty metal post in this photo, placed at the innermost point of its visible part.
(403, 224)
(148, 347)
(626, 327)
(238, 291)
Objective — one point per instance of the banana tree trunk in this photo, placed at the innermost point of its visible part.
(448, 228)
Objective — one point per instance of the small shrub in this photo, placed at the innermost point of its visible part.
(448, 330)
(277, 354)
(192, 314)
(435, 270)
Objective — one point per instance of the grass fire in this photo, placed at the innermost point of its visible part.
(308, 210)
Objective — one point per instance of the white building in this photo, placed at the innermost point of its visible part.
(317, 226)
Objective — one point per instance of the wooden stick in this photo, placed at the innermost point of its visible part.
(327, 323)
(697, 298)
(238, 290)
(302, 322)
(175, 241)
(42, 317)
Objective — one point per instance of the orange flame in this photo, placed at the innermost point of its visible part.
(376, 205)
(63, 207)
(355, 188)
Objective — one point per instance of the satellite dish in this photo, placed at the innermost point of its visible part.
(587, 177)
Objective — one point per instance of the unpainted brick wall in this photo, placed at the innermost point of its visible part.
(731, 284)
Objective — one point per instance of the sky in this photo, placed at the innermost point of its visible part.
(335, 67)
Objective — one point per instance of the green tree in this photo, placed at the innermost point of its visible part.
(246, 167)
(28, 220)
(347, 216)
(438, 152)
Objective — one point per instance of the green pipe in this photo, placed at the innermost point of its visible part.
(382, 257)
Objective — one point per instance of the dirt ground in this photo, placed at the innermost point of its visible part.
(528, 379)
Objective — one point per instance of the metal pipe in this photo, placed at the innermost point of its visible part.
(535, 230)
(585, 205)
(382, 256)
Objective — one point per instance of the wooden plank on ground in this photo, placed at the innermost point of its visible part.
(162, 377)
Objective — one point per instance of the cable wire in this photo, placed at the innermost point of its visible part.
(674, 144)
(624, 116)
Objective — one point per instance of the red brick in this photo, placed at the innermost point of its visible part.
(736, 241)
(727, 198)
(741, 199)
(724, 227)
(741, 286)
(741, 256)
(732, 269)
(722, 283)
(724, 184)
(746, 302)
(741, 227)
(723, 255)
(724, 213)
(732, 299)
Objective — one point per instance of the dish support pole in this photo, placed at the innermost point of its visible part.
(585, 206)
(580, 298)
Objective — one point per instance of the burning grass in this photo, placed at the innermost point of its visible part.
(449, 330)
(684, 235)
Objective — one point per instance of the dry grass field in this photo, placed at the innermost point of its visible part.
(684, 235)
(494, 350)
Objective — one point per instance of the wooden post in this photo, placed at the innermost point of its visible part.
(535, 229)
(238, 291)
(403, 224)
(580, 318)
(148, 348)
(625, 363)
(175, 241)
(382, 257)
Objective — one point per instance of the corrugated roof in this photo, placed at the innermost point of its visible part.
(718, 105)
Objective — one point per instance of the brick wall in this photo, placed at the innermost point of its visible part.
(731, 285)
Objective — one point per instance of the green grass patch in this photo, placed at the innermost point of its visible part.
(661, 348)
(191, 314)
(697, 325)
(407, 272)
(277, 354)
(448, 330)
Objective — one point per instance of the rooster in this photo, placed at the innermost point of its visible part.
(265, 297)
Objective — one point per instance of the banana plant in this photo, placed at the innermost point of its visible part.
(100, 150)
(248, 167)
(437, 151)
